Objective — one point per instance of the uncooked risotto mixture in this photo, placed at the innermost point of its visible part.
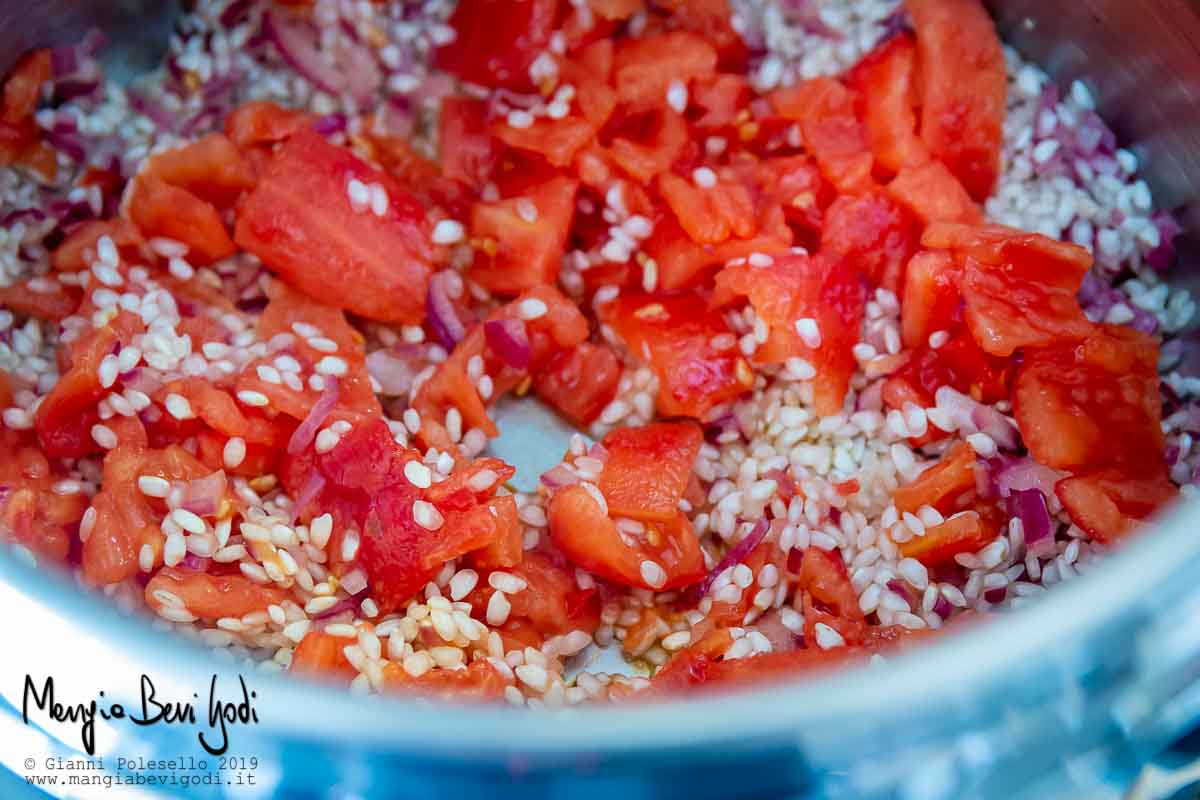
(860, 319)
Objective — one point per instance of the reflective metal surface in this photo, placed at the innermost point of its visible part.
(1066, 698)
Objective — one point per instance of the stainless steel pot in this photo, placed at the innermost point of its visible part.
(1066, 698)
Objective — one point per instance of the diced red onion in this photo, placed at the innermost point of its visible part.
(786, 485)
(234, 13)
(598, 452)
(509, 341)
(347, 604)
(306, 431)
(296, 42)
(942, 607)
(193, 561)
(359, 70)
(795, 560)
(1014, 475)
(32, 214)
(871, 398)
(807, 15)
(557, 477)
(447, 327)
(394, 374)
(782, 638)
(1029, 506)
(73, 88)
(312, 488)
(902, 589)
(990, 421)
(995, 595)
(203, 495)
(736, 554)
(354, 582)
(156, 113)
(330, 124)
(1161, 257)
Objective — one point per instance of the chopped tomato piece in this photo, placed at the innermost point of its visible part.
(211, 167)
(818, 288)
(933, 194)
(78, 250)
(701, 667)
(1093, 404)
(496, 41)
(832, 129)
(553, 603)
(52, 302)
(712, 214)
(941, 485)
(930, 296)
(674, 334)
(579, 383)
(648, 468)
(966, 532)
(645, 141)
(712, 20)
(525, 235)
(958, 363)
(508, 550)
(963, 89)
(467, 151)
(322, 655)
(300, 221)
(480, 682)
(824, 580)
(1109, 504)
(886, 78)
(261, 122)
(645, 67)
(663, 556)
(211, 597)
(18, 133)
(65, 417)
(1019, 289)
(127, 520)
(872, 233)
(160, 209)
(31, 511)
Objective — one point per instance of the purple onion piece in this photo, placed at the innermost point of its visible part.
(942, 607)
(306, 431)
(736, 555)
(296, 42)
(509, 340)
(447, 327)
(1029, 506)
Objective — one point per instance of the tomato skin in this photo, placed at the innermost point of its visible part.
(1093, 405)
(647, 469)
(963, 533)
(497, 40)
(964, 88)
(527, 253)
(376, 266)
(874, 234)
(589, 538)
(1110, 504)
(674, 334)
(581, 382)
